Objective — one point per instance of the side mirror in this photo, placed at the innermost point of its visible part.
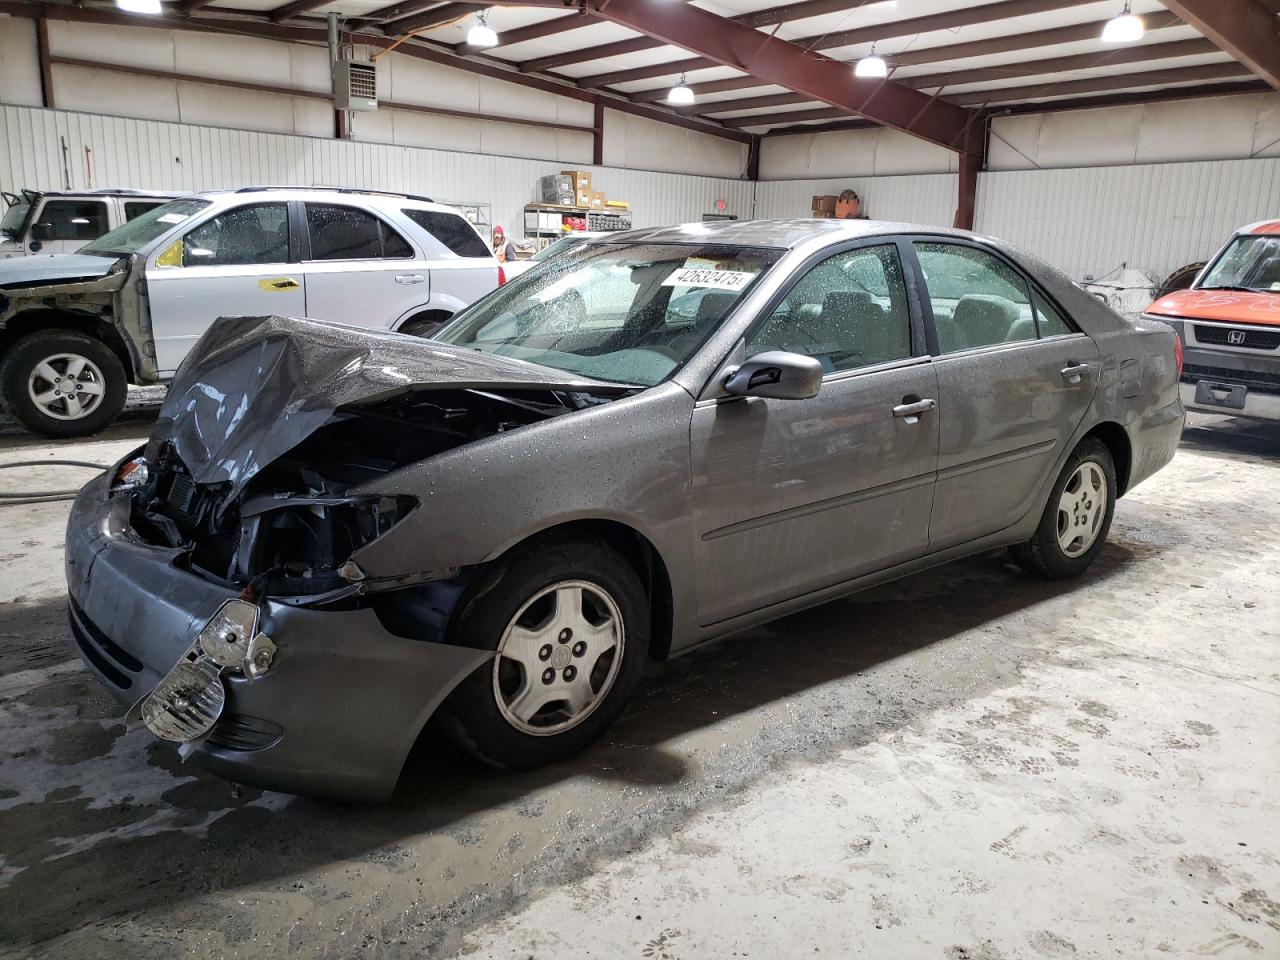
(42, 231)
(776, 374)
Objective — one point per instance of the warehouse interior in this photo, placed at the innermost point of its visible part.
(958, 761)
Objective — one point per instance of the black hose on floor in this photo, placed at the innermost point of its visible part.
(45, 496)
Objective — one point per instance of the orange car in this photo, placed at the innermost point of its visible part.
(1229, 322)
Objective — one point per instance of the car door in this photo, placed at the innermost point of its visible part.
(359, 269)
(239, 262)
(65, 224)
(1014, 382)
(790, 496)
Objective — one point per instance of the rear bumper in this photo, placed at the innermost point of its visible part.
(336, 714)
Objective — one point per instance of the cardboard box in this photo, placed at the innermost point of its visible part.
(532, 221)
(822, 214)
(580, 179)
(549, 221)
(824, 204)
(583, 198)
(597, 200)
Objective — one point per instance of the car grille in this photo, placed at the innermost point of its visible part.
(1252, 339)
(1260, 380)
(107, 657)
(182, 491)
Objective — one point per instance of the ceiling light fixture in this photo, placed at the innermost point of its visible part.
(481, 34)
(681, 95)
(139, 6)
(871, 65)
(1126, 28)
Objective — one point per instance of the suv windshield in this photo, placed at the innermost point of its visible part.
(617, 312)
(128, 239)
(1250, 262)
(14, 218)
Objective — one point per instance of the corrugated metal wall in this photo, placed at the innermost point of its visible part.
(147, 154)
(923, 198)
(1154, 217)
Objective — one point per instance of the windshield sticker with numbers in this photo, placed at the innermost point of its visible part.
(716, 279)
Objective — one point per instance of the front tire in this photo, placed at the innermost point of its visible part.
(569, 623)
(61, 383)
(1077, 517)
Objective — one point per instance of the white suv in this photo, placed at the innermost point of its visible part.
(75, 329)
(63, 221)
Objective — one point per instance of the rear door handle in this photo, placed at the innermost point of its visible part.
(911, 411)
(409, 278)
(1073, 371)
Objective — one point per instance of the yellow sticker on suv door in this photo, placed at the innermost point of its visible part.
(279, 283)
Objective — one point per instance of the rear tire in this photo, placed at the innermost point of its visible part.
(61, 383)
(1077, 517)
(569, 620)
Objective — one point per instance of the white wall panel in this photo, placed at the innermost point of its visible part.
(851, 153)
(927, 198)
(19, 63)
(1154, 217)
(172, 156)
(640, 143)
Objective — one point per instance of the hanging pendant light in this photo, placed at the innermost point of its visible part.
(139, 6)
(871, 65)
(681, 95)
(1126, 28)
(481, 34)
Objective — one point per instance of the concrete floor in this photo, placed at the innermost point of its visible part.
(966, 764)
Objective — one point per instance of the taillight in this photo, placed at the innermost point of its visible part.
(502, 278)
(1177, 353)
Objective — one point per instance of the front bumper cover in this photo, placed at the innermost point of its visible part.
(336, 714)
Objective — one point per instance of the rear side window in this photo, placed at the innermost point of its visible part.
(349, 233)
(978, 300)
(135, 208)
(451, 230)
(71, 220)
(1049, 319)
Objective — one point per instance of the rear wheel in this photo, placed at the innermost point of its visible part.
(569, 624)
(62, 383)
(1077, 517)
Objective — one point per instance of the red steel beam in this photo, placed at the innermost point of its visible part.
(775, 61)
(535, 31)
(1198, 92)
(1246, 29)
(291, 10)
(947, 20)
(1120, 81)
(1052, 36)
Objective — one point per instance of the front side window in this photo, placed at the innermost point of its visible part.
(70, 220)
(626, 313)
(451, 230)
(131, 237)
(1250, 262)
(849, 311)
(257, 233)
(348, 233)
(978, 300)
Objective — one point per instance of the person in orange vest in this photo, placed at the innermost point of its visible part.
(503, 248)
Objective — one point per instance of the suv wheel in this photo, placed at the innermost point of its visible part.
(61, 383)
(569, 623)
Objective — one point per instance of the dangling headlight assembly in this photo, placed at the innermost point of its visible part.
(187, 703)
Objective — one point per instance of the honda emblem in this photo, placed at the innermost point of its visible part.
(1235, 337)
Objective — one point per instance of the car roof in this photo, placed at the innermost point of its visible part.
(1262, 226)
(320, 193)
(786, 234)
(112, 192)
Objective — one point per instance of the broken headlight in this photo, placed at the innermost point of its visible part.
(187, 703)
(131, 475)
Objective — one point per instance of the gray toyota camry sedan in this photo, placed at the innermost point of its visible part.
(334, 535)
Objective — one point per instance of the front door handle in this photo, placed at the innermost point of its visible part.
(910, 411)
(1073, 372)
(409, 278)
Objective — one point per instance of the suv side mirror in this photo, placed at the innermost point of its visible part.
(42, 231)
(776, 374)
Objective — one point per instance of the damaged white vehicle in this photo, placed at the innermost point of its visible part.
(77, 329)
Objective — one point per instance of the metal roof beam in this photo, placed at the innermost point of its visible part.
(290, 10)
(1245, 29)
(535, 31)
(775, 61)
(948, 20)
(1119, 81)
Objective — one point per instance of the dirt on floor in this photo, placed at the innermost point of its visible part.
(965, 764)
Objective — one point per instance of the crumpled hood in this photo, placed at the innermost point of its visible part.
(252, 388)
(54, 268)
(1228, 306)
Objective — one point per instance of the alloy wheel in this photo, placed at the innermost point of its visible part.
(66, 386)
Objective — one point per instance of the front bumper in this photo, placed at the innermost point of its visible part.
(336, 714)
